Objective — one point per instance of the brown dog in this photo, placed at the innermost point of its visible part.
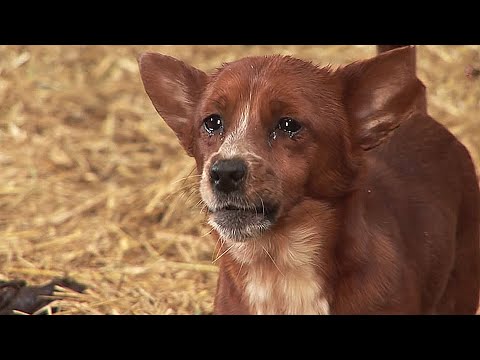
(333, 191)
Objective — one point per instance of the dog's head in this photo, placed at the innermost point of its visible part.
(267, 132)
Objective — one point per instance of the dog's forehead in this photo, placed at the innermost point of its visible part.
(246, 80)
(267, 69)
(233, 79)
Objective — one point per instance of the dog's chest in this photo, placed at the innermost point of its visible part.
(293, 292)
(284, 281)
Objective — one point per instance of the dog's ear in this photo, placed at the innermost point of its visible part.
(174, 89)
(380, 93)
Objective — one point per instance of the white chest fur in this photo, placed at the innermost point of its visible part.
(282, 279)
(296, 292)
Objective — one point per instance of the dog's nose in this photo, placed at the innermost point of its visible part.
(228, 175)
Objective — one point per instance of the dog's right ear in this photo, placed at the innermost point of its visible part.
(174, 89)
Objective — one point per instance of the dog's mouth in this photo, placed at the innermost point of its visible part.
(240, 223)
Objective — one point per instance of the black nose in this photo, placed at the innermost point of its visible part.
(228, 175)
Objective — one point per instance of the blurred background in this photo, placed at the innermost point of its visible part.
(94, 186)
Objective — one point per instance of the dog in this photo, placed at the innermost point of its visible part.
(331, 190)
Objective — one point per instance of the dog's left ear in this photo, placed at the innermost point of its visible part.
(380, 93)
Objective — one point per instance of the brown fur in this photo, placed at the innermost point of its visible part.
(378, 203)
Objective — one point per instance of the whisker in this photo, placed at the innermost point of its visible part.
(241, 265)
(208, 233)
(254, 249)
(198, 203)
(185, 178)
(222, 242)
(273, 261)
(254, 205)
(183, 189)
(216, 245)
(189, 174)
(203, 208)
(187, 187)
(192, 193)
(263, 204)
(177, 199)
(311, 216)
(223, 253)
(180, 195)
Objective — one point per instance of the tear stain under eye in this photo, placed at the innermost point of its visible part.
(210, 134)
(272, 137)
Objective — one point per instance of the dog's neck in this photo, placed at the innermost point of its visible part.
(286, 271)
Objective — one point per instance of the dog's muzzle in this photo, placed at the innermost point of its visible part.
(234, 216)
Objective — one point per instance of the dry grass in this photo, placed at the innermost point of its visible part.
(92, 183)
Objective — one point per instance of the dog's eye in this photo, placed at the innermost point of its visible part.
(213, 123)
(289, 125)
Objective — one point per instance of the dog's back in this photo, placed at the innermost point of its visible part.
(420, 186)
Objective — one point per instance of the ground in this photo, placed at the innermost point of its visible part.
(93, 184)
